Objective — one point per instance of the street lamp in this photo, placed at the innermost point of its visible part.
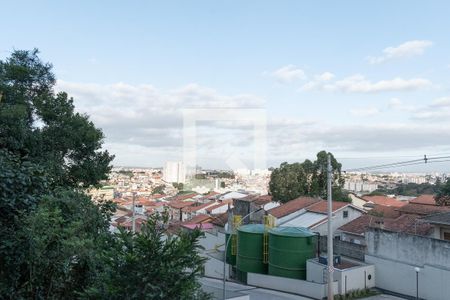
(417, 269)
(226, 247)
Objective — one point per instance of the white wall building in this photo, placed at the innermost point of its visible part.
(174, 172)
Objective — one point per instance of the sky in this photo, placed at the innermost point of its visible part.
(366, 80)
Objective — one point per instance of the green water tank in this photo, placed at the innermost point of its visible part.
(231, 259)
(241, 276)
(289, 249)
(250, 249)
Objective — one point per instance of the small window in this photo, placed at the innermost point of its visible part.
(345, 213)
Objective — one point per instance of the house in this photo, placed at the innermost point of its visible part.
(355, 231)
(254, 204)
(441, 225)
(312, 213)
(291, 209)
(315, 217)
(358, 201)
(195, 209)
(220, 207)
(176, 209)
(232, 195)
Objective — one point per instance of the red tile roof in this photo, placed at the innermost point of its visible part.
(424, 199)
(193, 208)
(322, 206)
(225, 202)
(292, 206)
(422, 209)
(183, 197)
(201, 218)
(257, 199)
(359, 225)
(180, 204)
(411, 224)
(383, 200)
(220, 219)
(390, 212)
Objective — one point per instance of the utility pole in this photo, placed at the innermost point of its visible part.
(330, 233)
(134, 213)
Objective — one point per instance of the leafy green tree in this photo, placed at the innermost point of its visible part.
(178, 185)
(158, 190)
(42, 126)
(443, 195)
(152, 264)
(53, 238)
(63, 236)
(290, 181)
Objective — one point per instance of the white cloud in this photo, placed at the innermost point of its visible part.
(359, 84)
(364, 111)
(289, 74)
(398, 104)
(437, 111)
(326, 76)
(405, 50)
(441, 102)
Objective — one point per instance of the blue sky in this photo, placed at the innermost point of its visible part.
(359, 78)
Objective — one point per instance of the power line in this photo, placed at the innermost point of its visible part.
(424, 160)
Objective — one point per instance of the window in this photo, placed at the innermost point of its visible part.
(447, 235)
(345, 213)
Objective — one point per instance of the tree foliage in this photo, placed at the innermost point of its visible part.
(41, 125)
(290, 181)
(409, 189)
(158, 189)
(55, 242)
(130, 270)
(443, 195)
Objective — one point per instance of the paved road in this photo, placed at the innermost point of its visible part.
(215, 286)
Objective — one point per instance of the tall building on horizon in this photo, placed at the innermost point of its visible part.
(174, 171)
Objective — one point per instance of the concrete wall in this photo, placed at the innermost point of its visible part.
(352, 238)
(214, 267)
(213, 241)
(437, 283)
(344, 248)
(301, 287)
(408, 248)
(355, 278)
(396, 255)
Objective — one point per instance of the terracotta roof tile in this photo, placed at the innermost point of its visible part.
(193, 208)
(225, 202)
(257, 199)
(385, 211)
(180, 204)
(220, 219)
(424, 199)
(422, 209)
(359, 225)
(322, 206)
(292, 206)
(411, 224)
(383, 200)
(201, 218)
